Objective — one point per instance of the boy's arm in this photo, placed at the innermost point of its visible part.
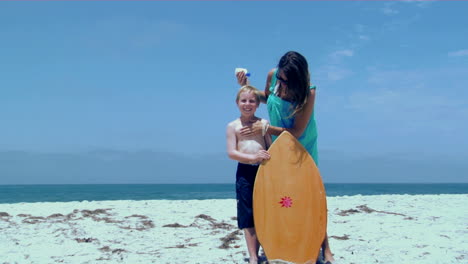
(234, 154)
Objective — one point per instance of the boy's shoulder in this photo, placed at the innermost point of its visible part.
(234, 122)
(263, 120)
(237, 121)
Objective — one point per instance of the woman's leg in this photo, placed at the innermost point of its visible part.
(327, 254)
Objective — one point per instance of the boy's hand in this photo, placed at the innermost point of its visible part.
(242, 79)
(261, 156)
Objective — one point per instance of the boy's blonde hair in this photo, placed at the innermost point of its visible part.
(249, 88)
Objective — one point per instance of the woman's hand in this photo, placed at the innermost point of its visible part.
(254, 129)
(242, 78)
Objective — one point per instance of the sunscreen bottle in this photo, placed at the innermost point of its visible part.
(247, 73)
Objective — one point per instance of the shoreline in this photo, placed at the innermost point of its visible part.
(141, 192)
(373, 228)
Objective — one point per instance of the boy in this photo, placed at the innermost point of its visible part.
(249, 151)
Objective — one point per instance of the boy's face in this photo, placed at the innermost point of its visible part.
(247, 103)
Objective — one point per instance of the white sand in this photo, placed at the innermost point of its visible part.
(402, 229)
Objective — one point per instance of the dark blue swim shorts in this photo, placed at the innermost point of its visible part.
(245, 179)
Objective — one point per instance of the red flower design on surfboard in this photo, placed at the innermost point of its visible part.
(286, 202)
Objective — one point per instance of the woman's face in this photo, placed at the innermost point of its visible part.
(283, 80)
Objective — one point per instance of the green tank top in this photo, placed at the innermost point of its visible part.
(280, 111)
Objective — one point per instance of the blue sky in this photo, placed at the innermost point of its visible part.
(392, 77)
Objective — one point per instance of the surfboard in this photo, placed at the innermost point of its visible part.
(289, 203)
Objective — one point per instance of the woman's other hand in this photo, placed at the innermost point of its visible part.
(254, 129)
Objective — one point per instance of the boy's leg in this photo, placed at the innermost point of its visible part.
(244, 187)
(252, 244)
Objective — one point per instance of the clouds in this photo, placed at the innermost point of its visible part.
(393, 8)
(337, 55)
(132, 32)
(334, 73)
(419, 3)
(336, 66)
(334, 70)
(364, 37)
(400, 110)
(417, 99)
(389, 9)
(360, 33)
(459, 53)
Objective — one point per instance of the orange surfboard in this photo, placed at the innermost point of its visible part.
(289, 202)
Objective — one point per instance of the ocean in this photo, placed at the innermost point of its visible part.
(100, 192)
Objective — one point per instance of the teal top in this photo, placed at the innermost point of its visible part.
(280, 111)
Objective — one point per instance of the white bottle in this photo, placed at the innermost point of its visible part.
(247, 73)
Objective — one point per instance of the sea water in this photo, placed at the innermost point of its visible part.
(100, 192)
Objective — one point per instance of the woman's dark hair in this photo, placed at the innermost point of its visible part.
(295, 68)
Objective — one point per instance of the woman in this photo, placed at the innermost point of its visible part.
(290, 101)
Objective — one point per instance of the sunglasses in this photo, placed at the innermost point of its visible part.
(281, 79)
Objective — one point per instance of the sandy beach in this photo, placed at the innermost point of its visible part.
(362, 229)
